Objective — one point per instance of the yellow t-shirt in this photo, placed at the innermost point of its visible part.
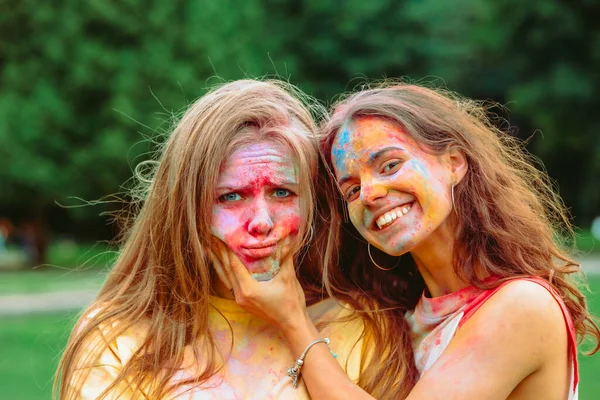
(255, 366)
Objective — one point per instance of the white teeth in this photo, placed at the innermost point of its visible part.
(392, 215)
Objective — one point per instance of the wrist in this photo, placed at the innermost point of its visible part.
(294, 320)
(299, 333)
(301, 321)
(294, 371)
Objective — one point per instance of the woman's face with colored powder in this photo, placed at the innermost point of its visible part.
(397, 193)
(256, 208)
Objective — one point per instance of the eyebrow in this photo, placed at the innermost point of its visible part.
(246, 185)
(344, 179)
(372, 159)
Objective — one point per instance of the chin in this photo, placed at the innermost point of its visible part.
(399, 248)
(265, 270)
(266, 276)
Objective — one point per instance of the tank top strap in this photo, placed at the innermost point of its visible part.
(474, 305)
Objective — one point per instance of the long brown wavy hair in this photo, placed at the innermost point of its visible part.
(163, 274)
(510, 221)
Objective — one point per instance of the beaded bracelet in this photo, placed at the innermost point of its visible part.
(294, 372)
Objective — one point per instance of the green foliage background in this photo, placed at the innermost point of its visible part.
(82, 83)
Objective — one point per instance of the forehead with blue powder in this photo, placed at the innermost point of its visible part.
(341, 147)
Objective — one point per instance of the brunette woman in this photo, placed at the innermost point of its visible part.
(425, 172)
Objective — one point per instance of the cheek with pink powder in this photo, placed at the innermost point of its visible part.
(231, 225)
(234, 230)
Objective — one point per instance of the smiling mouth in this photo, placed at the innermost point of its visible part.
(389, 217)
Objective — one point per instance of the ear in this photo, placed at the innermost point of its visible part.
(458, 163)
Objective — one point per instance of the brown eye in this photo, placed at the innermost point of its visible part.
(350, 194)
(390, 166)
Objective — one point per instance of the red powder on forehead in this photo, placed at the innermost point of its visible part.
(258, 177)
(267, 179)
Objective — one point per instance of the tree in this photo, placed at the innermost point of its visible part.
(87, 87)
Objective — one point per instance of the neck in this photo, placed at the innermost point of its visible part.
(434, 259)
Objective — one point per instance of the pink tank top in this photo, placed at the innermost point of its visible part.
(435, 321)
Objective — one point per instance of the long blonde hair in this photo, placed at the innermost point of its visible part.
(510, 221)
(163, 273)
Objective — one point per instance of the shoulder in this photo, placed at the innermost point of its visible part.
(331, 310)
(517, 332)
(523, 299)
(109, 338)
(103, 346)
(522, 314)
(337, 319)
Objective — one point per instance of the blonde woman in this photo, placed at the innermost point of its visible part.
(425, 172)
(239, 174)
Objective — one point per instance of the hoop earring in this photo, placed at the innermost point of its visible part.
(377, 265)
(312, 233)
(453, 205)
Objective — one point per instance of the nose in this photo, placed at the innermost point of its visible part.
(260, 222)
(371, 191)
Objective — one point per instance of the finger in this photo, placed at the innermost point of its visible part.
(285, 260)
(217, 262)
(225, 254)
(228, 258)
(287, 273)
(238, 272)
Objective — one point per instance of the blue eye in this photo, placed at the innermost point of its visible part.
(281, 193)
(230, 197)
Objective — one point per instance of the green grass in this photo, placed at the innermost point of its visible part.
(63, 254)
(70, 266)
(589, 386)
(50, 280)
(31, 346)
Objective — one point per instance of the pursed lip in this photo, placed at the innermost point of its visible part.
(372, 224)
(259, 250)
(260, 245)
